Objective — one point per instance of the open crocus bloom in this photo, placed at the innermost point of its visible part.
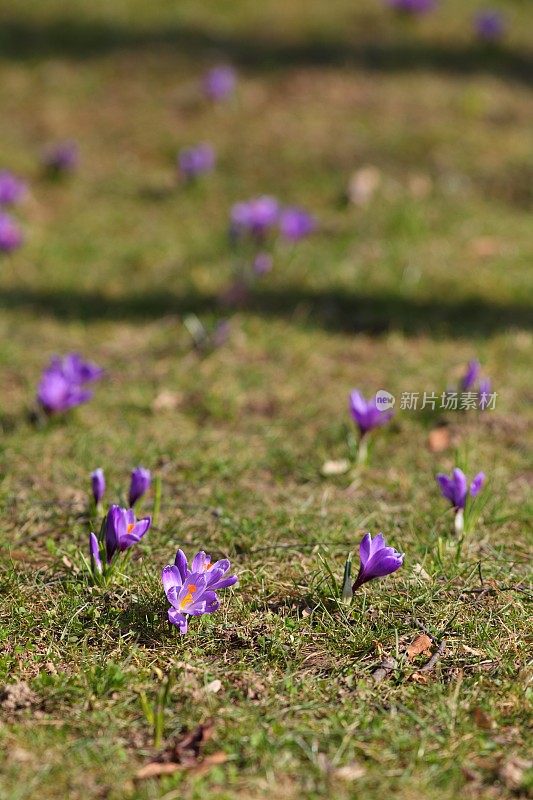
(376, 559)
(366, 414)
(62, 382)
(455, 487)
(123, 529)
(216, 572)
(191, 596)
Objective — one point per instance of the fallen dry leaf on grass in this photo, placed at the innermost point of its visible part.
(421, 644)
(482, 719)
(185, 753)
(439, 439)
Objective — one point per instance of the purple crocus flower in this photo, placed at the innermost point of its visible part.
(219, 83)
(254, 217)
(98, 485)
(489, 25)
(195, 161)
(262, 264)
(62, 383)
(12, 189)
(470, 376)
(296, 223)
(94, 551)
(11, 236)
(413, 6)
(61, 157)
(139, 484)
(376, 559)
(366, 414)
(123, 529)
(455, 487)
(193, 591)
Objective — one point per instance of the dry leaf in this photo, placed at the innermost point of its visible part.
(339, 467)
(167, 401)
(351, 772)
(439, 439)
(482, 719)
(421, 644)
(363, 185)
(419, 677)
(156, 768)
(213, 760)
(213, 687)
(512, 772)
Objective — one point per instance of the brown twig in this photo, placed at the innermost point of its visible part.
(429, 665)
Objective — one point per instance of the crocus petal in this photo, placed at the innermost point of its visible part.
(446, 487)
(208, 603)
(365, 548)
(94, 549)
(171, 578)
(136, 534)
(178, 619)
(477, 484)
(198, 563)
(460, 487)
(181, 563)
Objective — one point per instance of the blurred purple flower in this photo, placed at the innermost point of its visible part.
(219, 83)
(193, 591)
(94, 551)
(489, 25)
(10, 234)
(470, 376)
(366, 414)
(12, 189)
(221, 333)
(376, 560)
(61, 157)
(262, 263)
(98, 485)
(62, 382)
(413, 6)
(140, 483)
(195, 161)
(296, 223)
(254, 217)
(123, 529)
(455, 487)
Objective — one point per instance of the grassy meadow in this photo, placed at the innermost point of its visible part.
(399, 292)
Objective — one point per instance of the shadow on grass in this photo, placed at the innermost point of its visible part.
(332, 309)
(74, 38)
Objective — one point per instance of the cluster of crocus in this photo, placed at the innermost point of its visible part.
(11, 236)
(140, 482)
(61, 158)
(120, 530)
(196, 161)
(456, 490)
(12, 189)
(376, 559)
(367, 416)
(219, 82)
(193, 591)
(413, 7)
(489, 26)
(63, 383)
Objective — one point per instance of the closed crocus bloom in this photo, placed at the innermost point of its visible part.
(123, 530)
(219, 83)
(489, 25)
(98, 485)
(11, 236)
(296, 223)
(470, 376)
(376, 559)
(61, 157)
(366, 414)
(195, 161)
(140, 483)
(12, 189)
(94, 552)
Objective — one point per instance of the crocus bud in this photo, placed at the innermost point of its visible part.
(140, 483)
(98, 485)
